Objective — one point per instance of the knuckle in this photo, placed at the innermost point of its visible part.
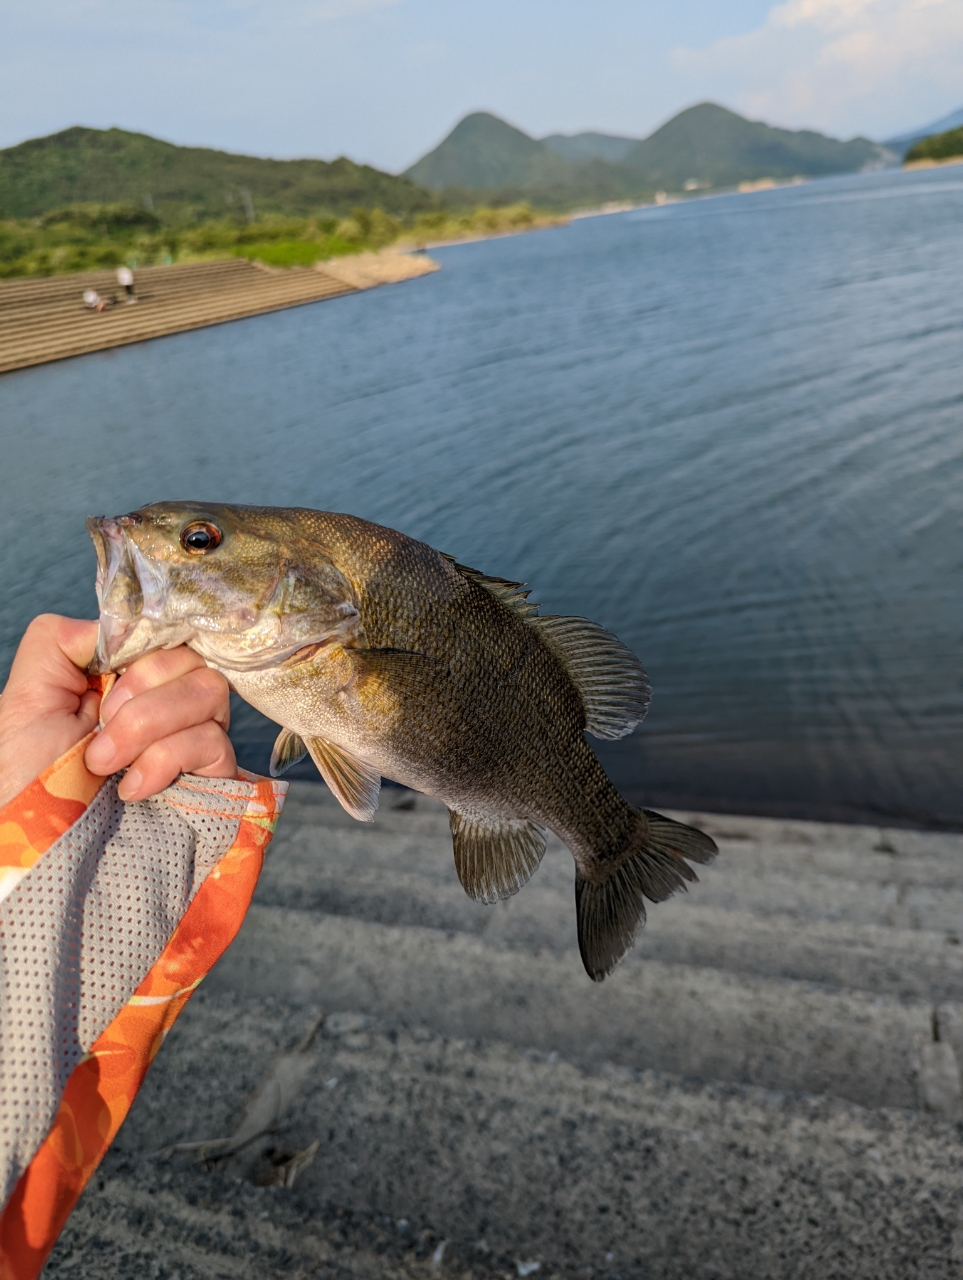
(211, 686)
(43, 624)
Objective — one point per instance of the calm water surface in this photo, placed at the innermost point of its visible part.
(729, 430)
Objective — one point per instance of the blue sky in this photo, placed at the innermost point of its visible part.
(384, 80)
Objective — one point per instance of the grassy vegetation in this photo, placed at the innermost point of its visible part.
(85, 237)
(938, 146)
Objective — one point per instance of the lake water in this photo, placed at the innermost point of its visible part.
(731, 430)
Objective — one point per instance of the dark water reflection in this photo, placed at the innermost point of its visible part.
(729, 430)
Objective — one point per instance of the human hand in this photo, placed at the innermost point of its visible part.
(167, 714)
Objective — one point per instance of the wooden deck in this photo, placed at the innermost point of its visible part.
(45, 319)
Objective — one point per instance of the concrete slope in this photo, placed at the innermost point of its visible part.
(45, 319)
(510, 1158)
(767, 1086)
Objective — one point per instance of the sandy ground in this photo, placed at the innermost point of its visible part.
(420, 1086)
(389, 266)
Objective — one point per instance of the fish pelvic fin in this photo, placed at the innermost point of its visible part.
(494, 857)
(288, 750)
(611, 681)
(611, 912)
(355, 785)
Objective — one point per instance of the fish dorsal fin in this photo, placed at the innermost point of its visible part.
(511, 594)
(610, 679)
(288, 750)
(494, 857)
(355, 784)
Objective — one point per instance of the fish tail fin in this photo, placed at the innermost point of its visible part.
(611, 911)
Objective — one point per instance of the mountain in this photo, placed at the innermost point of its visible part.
(903, 143)
(108, 166)
(704, 146)
(712, 146)
(487, 153)
(485, 158)
(590, 146)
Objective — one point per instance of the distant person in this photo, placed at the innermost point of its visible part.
(94, 302)
(125, 278)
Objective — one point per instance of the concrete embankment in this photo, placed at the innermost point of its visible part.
(767, 1087)
(45, 319)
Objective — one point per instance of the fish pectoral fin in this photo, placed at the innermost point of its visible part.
(355, 784)
(288, 750)
(494, 857)
(403, 669)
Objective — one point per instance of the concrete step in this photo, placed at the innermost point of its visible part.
(702, 1024)
(512, 1159)
(399, 871)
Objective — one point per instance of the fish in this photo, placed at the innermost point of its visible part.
(381, 657)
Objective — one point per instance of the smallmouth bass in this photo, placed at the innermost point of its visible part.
(381, 657)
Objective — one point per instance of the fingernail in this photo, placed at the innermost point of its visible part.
(130, 784)
(100, 755)
(113, 703)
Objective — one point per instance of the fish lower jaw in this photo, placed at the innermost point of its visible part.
(121, 642)
(263, 660)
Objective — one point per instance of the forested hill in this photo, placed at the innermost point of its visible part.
(940, 146)
(705, 146)
(719, 148)
(108, 166)
(485, 157)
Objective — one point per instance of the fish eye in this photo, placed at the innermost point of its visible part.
(200, 536)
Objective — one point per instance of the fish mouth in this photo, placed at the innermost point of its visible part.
(130, 594)
(115, 627)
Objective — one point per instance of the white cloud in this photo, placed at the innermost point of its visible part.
(878, 66)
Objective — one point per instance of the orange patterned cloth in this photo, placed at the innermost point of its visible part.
(104, 1083)
(45, 809)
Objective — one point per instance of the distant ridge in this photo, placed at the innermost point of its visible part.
(105, 166)
(705, 146)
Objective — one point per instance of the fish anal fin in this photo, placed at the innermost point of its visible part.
(355, 785)
(494, 857)
(288, 750)
(610, 679)
(610, 911)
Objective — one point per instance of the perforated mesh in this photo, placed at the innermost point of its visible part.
(82, 929)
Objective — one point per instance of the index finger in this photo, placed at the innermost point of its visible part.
(150, 672)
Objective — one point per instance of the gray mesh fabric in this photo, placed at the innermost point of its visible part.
(82, 929)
